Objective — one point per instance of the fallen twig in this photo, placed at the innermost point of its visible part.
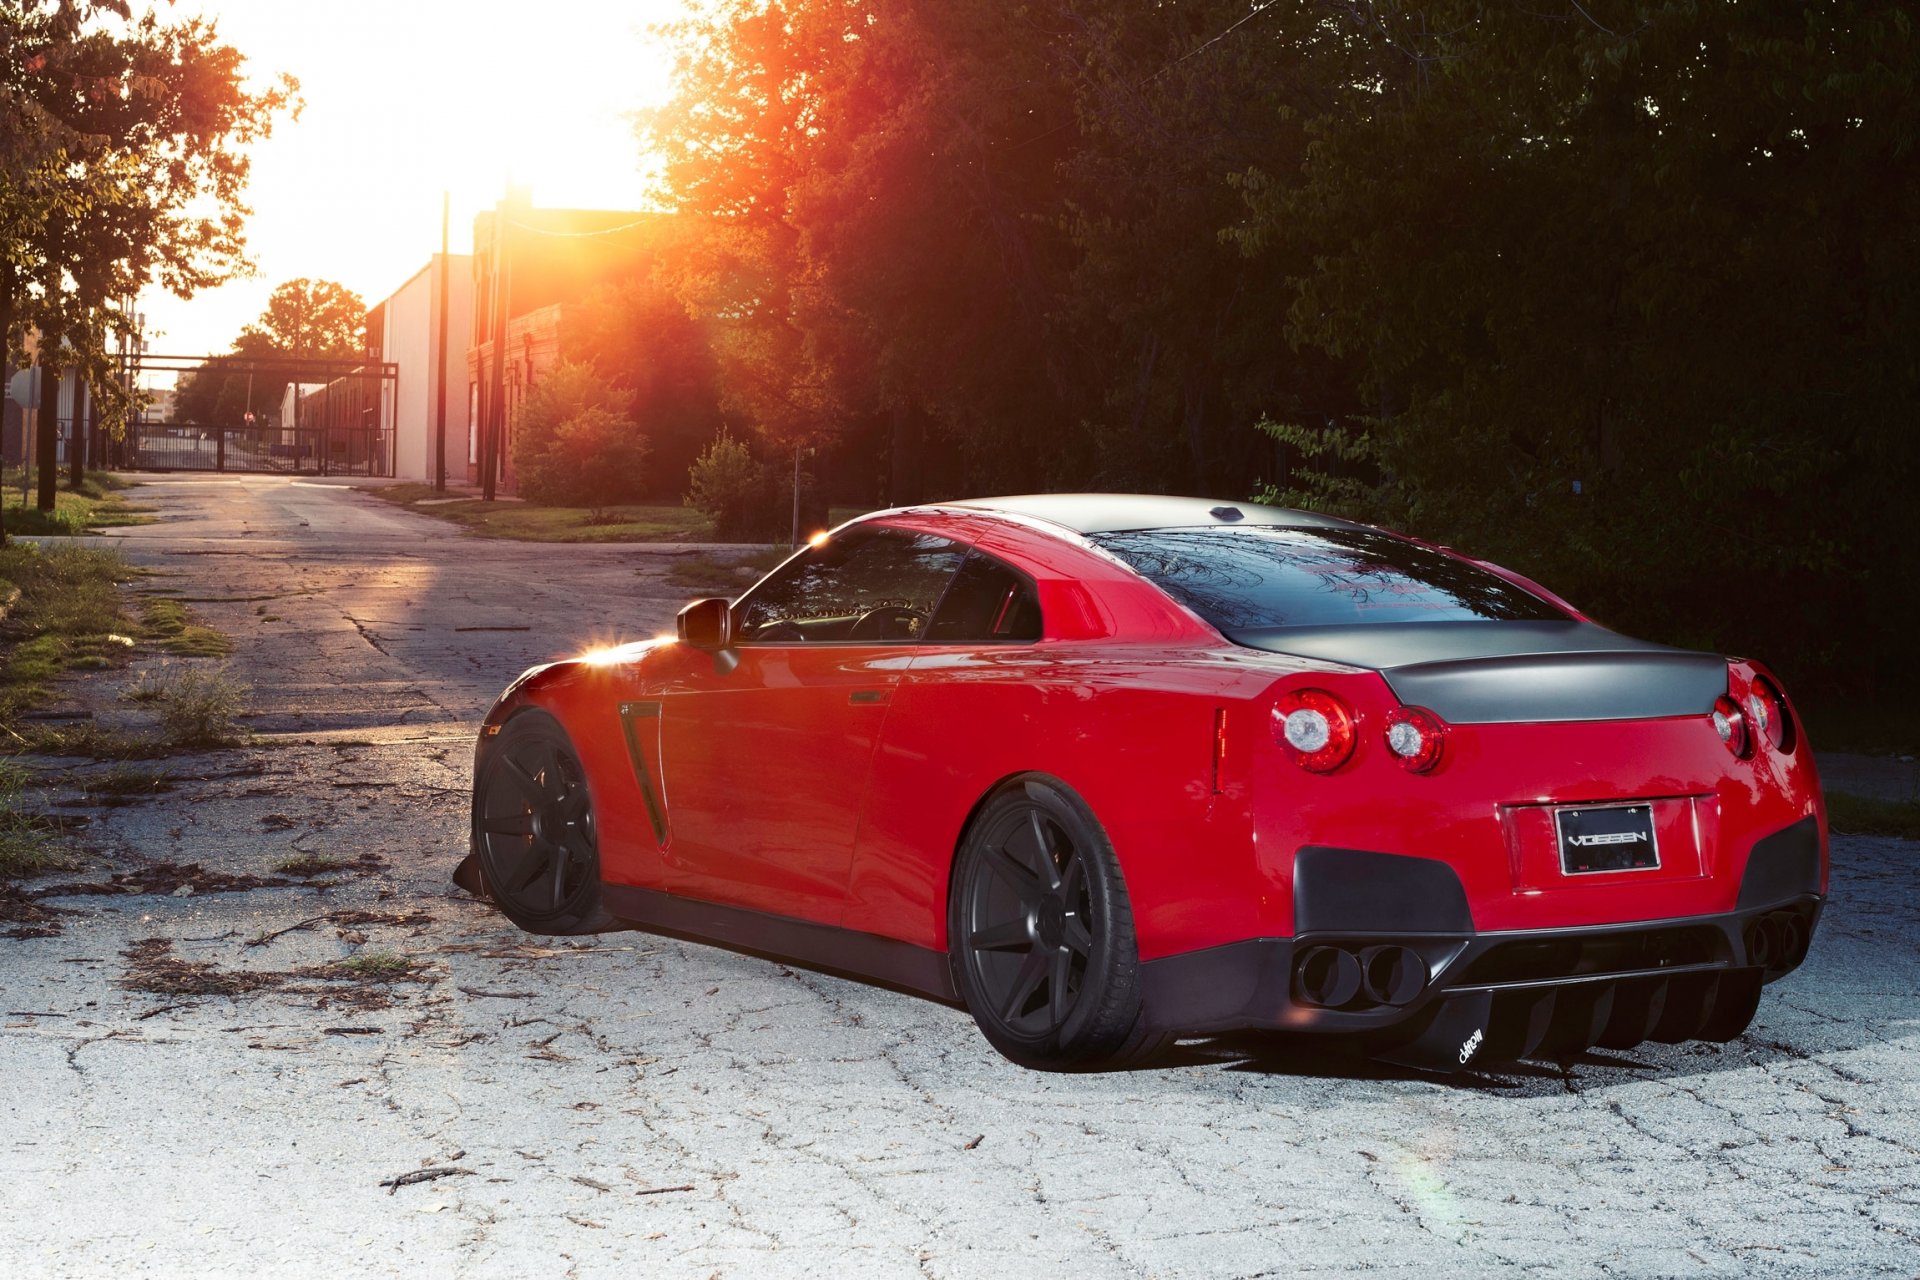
(496, 995)
(424, 1175)
(265, 938)
(660, 1191)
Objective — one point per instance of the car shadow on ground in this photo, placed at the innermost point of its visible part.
(1293, 1055)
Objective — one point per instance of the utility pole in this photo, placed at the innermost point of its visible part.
(440, 358)
(497, 409)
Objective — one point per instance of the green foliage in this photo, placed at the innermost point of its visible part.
(732, 488)
(125, 139)
(1866, 816)
(575, 443)
(638, 335)
(29, 843)
(1620, 293)
(1630, 296)
(304, 319)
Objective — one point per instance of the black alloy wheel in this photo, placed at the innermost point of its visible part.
(533, 829)
(1041, 933)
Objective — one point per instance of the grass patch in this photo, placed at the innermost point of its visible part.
(63, 612)
(174, 626)
(731, 574)
(379, 966)
(96, 504)
(531, 522)
(27, 841)
(198, 709)
(1865, 816)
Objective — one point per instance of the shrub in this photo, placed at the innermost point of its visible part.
(739, 494)
(575, 443)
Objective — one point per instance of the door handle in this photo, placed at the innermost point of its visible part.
(868, 697)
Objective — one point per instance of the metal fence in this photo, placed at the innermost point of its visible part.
(322, 451)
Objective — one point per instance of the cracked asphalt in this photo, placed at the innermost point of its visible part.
(628, 1104)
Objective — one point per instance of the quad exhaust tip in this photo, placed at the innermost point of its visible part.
(1778, 940)
(1334, 977)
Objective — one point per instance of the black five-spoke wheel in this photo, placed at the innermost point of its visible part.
(533, 829)
(1042, 935)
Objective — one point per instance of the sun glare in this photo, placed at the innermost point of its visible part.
(405, 102)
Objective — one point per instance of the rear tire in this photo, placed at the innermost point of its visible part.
(1040, 934)
(533, 830)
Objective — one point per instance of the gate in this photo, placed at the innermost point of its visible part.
(294, 416)
(319, 451)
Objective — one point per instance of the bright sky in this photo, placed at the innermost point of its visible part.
(409, 98)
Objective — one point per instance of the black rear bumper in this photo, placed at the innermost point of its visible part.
(1500, 995)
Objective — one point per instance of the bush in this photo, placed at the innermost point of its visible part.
(739, 494)
(575, 443)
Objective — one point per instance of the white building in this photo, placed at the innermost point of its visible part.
(404, 330)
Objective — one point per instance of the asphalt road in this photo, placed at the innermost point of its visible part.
(628, 1105)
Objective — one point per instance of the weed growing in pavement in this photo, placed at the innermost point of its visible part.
(27, 845)
(379, 965)
(199, 708)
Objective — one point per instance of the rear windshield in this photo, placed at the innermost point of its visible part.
(1255, 577)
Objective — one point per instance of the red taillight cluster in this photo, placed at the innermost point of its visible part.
(1731, 724)
(1415, 738)
(1320, 731)
(1316, 727)
(1759, 715)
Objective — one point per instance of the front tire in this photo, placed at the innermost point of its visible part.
(1040, 934)
(533, 830)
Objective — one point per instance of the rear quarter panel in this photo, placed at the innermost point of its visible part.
(1131, 730)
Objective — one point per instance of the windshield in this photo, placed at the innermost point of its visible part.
(1256, 577)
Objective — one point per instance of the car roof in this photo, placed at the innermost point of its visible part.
(1093, 513)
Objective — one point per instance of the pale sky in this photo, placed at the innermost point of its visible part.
(405, 99)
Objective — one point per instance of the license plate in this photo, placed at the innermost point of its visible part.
(1614, 838)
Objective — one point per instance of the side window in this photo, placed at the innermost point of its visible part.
(988, 603)
(871, 585)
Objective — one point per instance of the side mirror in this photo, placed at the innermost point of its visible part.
(706, 625)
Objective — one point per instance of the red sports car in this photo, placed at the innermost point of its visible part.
(1113, 770)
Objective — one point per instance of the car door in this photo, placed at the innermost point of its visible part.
(766, 747)
(966, 701)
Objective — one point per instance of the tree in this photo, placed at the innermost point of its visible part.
(1632, 290)
(304, 320)
(125, 162)
(638, 335)
(311, 320)
(575, 443)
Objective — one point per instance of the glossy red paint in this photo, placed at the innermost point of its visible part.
(832, 783)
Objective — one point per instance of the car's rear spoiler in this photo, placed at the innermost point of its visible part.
(1499, 672)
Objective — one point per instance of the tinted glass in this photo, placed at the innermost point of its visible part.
(988, 603)
(1250, 578)
(879, 586)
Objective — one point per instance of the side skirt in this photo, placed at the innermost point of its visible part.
(866, 956)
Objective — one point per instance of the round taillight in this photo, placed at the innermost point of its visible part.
(1731, 724)
(1415, 738)
(1316, 728)
(1767, 711)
